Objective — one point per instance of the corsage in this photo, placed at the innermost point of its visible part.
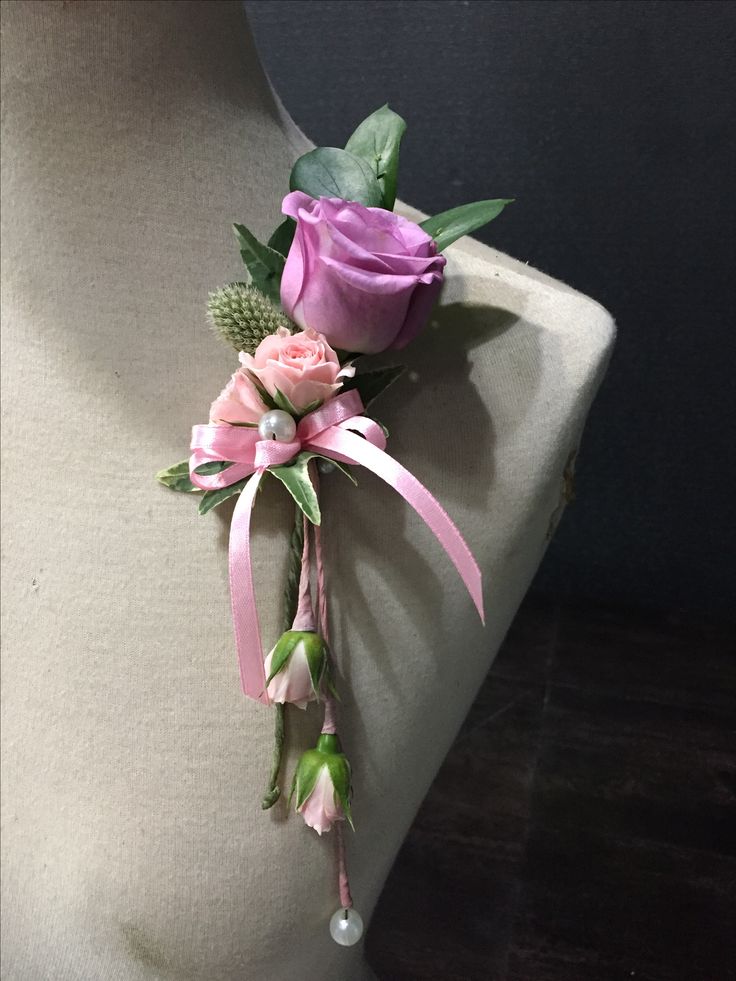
(343, 276)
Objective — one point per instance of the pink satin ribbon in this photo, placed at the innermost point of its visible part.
(332, 432)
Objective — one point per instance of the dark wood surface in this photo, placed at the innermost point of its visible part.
(583, 825)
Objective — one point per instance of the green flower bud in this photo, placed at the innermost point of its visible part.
(296, 667)
(243, 316)
(322, 785)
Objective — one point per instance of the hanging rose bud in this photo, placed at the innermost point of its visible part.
(296, 667)
(322, 785)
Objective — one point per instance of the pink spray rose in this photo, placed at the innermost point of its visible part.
(239, 401)
(301, 366)
(364, 277)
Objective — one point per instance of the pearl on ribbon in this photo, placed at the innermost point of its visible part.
(277, 424)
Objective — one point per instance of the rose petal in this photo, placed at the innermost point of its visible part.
(322, 808)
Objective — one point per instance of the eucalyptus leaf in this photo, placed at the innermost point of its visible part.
(177, 478)
(333, 173)
(211, 498)
(296, 479)
(264, 264)
(282, 238)
(370, 384)
(451, 225)
(377, 141)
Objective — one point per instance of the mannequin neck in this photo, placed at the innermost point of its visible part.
(155, 114)
(135, 52)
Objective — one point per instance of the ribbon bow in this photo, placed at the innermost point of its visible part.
(337, 430)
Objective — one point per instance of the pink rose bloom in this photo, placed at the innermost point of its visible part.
(302, 366)
(322, 808)
(239, 401)
(364, 277)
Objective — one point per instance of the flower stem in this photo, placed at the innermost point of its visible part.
(291, 600)
(329, 724)
(343, 883)
(274, 791)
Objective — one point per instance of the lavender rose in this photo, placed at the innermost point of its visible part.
(364, 277)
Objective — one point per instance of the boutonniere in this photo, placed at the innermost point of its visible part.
(342, 276)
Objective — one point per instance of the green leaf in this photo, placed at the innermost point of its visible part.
(211, 498)
(264, 264)
(341, 774)
(295, 478)
(453, 224)
(377, 141)
(332, 173)
(282, 652)
(177, 478)
(370, 384)
(284, 403)
(212, 467)
(282, 238)
(342, 467)
(305, 776)
(312, 407)
(316, 662)
(266, 397)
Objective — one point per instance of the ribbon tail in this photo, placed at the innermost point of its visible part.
(242, 597)
(344, 445)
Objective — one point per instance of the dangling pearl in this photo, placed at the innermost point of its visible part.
(277, 425)
(346, 927)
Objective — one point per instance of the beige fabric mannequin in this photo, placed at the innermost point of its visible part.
(134, 843)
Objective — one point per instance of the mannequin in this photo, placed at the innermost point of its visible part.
(135, 845)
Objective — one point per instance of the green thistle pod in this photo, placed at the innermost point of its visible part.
(243, 316)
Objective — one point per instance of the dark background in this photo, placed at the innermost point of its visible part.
(612, 124)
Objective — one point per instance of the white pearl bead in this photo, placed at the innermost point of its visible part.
(346, 927)
(277, 425)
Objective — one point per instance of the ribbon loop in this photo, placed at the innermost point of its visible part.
(337, 410)
(337, 430)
